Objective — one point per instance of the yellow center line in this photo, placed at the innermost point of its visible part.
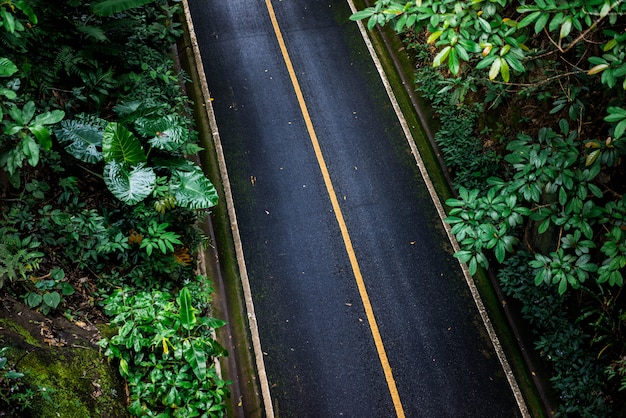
(369, 312)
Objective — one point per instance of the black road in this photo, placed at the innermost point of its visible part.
(321, 357)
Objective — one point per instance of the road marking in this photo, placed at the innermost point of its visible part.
(369, 312)
(517, 393)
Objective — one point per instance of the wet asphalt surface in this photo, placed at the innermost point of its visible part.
(319, 353)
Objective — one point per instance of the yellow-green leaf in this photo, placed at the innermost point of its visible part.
(441, 56)
(504, 69)
(592, 157)
(434, 36)
(495, 69)
(566, 28)
(597, 69)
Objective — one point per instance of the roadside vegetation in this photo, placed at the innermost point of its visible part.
(99, 202)
(530, 100)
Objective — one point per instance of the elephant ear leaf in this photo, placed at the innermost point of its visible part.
(82, 137)
(193, 190)
(119, 144)
(130, 185)
(167, 133)
(111, 7)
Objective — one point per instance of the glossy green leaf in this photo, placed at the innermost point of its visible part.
(193, 190)
(196, 357)
(52, 299)
(453, 62)
(186, 312)
(504, 70)
(619, 129)
(49, 118)
(120, 145)
(566, 28)
(441, 57)
(494, 70)
(7, 68)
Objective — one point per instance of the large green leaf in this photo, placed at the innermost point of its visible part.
(27, 10)
(43, 136)
(186, 312)
(167, 132)
(7, 68)
(48, 118)
(131, 186)
(30, 150)
(82, 137)
(196, 357)
(119, 144)
(110, 7)
(193, 190)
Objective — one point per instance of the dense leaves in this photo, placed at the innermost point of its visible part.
(97, 193)
(530, 96)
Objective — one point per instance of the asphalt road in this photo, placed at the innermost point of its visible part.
(320, 354)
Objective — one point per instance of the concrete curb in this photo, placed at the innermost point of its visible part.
(250, 389)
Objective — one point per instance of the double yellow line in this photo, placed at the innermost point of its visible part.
(369, 312)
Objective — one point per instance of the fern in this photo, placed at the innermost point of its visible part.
(82, 137)
(193, 190)
(130, 185)
(68, 60)
(17, 256)
(94, 32)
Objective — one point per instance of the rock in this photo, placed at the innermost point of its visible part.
(62, 366)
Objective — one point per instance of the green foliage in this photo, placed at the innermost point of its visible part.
(129, 184)
(25, 134)
(18, 256)
(578, 376)
(111, 60)
(111, 7)
(9, 19)
(128, 173)
(461, 149)
(166, 353)
(553, 185)
(15, 396)
(156, 236)
(485, 223)
(482, 34)
(49, 291)
(82, 137)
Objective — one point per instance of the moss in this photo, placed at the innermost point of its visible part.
(57, 356)
(107, 331)
(78, 382)
(8, 324)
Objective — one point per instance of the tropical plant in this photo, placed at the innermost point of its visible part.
(166, 353)
(127, 171)
(15, 397)
(556, 73)
(49, 291)
(18, 256)
(31, 134)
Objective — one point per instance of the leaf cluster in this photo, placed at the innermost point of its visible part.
(166, 352)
